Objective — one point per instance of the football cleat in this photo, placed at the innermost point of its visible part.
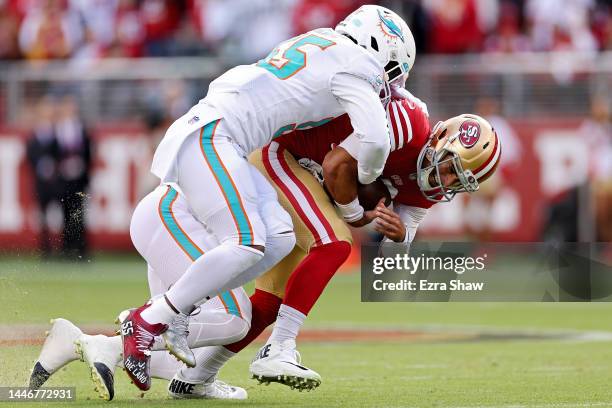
(102, 354)
(138, 336)
(176, 340)
(280, 362)
(57, 351)
(180, 388)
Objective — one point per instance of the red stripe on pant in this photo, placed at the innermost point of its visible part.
(278, 156)
(268, 157)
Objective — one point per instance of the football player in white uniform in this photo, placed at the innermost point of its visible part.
(170, 239)
(303, 83)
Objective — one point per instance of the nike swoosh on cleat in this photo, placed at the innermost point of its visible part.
(297, 365)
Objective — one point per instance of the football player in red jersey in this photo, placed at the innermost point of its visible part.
(424, 167)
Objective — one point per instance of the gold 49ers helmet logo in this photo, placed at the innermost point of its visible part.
(469, 133)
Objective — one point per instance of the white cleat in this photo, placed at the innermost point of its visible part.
(180, 388)
(102, 354)
(57, 351)
(280, 362)
(176, 340)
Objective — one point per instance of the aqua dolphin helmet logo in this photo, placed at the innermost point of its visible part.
(389, 24)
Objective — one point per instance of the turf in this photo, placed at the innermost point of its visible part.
(542, 373)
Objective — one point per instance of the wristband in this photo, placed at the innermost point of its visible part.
(352, 211)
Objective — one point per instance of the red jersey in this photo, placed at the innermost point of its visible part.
(409, 130)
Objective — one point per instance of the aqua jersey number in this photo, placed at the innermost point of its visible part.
(290, 57)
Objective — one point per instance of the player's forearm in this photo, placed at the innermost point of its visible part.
(340, 175)
(369, 123)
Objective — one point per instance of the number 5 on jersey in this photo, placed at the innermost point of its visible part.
(291, 56)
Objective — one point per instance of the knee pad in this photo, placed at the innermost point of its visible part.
(239, 328)
(281, 245)
(275, 218)
(248, 253)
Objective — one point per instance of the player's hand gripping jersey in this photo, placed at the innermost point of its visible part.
(305, 82)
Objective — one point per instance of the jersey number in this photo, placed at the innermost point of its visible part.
(286, 61)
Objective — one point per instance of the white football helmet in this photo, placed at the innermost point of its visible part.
(387, 36)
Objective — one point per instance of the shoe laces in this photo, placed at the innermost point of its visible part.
(180, 324)
(144, 340)
(221, 386)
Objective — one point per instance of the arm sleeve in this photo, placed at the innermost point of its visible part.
(369, 123)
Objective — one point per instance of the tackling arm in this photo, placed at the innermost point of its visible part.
(369, 123)
(340, 180)
(340, 175)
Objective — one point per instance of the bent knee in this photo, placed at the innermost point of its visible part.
(239, 329)
(259, 248)
(344, 249)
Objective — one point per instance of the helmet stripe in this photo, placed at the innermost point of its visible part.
(491, 162)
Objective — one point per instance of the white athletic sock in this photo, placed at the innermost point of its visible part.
(288, 323)
(158, 312)
(211, 272)
(209, 361)
(164, 365)
(277, 247)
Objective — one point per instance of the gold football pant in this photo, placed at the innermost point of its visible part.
(315, 219)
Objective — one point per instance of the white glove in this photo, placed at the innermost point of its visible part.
(313, 168)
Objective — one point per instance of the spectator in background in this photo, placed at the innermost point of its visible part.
(582, 212)
(43, 157)
(311, 14)
(602, 25)
(487, 215)
(50, 30)
(597, 132)
(454, 26)
(556, 27)
(213, 21)
(243, 30)
(130, 33)
(99, 18)
(507, 36)
(74, 166)
(9, 22)
(161, 18)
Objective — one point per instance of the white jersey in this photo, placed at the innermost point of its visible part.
(303, 83)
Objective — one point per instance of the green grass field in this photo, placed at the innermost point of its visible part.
(477, 371)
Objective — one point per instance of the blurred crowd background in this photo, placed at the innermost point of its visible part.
(246, 29)
(88, 87)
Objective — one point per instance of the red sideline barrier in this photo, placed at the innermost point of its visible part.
(553, 157)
